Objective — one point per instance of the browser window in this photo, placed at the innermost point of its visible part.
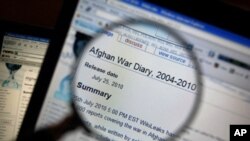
(20, 59)
(223, 56)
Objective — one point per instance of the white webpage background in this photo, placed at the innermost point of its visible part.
(220, 105)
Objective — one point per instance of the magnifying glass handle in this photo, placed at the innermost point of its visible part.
(54, 132)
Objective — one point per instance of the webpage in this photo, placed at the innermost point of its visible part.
(226, 94)
(20, 60)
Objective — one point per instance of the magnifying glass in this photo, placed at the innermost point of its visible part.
(137, 81)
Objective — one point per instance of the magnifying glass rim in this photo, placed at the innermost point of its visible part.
(196, 105)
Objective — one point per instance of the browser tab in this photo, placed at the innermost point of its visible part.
(23, 49)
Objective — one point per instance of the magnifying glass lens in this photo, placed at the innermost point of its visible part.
(136, 81)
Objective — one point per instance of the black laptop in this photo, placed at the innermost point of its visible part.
(221, 45)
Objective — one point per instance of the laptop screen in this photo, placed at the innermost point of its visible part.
(21, 57)
(223, 57)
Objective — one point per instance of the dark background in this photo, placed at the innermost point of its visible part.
(45, 12)
(42, 13)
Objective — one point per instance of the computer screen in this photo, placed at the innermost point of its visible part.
(223, 57)
(21, 57)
